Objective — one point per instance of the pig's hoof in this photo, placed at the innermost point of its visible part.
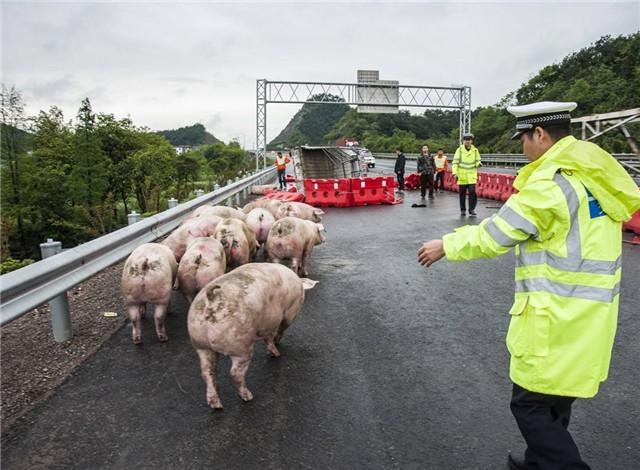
(273, 351)
(163, 338)
(245, 394)
(137, 340)
(215, 404)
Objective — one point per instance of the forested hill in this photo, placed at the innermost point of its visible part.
(603, 77)
(311, 124)
(191, 135)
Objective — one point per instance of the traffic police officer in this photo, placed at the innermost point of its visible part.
(464, 169)
(565, 224)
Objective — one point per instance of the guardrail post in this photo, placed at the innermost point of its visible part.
(199, 192)
(230, 198)
(216, 187)
(173, 202)
(133, 218)
(238, 194)
(59, 306)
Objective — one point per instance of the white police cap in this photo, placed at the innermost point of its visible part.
(542, 114)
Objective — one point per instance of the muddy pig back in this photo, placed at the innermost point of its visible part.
(203, 262)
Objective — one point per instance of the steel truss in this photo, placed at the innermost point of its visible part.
(354, 94)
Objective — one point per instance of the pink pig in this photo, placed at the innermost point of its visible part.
(148, 276)
(299, 210)
(238, 240)
(294, 239)
(203, 262)
(260, 221)
(271, 205)
(254, 302)
(204, 226)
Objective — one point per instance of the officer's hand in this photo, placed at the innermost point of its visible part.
(455, 177)
(430, 252)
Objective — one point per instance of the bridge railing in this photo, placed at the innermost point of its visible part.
(630, 161)
(26, 288)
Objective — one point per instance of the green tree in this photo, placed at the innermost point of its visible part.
(154, 169)
(89, 181)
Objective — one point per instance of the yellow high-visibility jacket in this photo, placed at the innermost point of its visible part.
(465, 164)
(566, 226)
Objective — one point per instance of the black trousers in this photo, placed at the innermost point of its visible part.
(400, 177)
(543, 421)
(281, 180)
(439, 178)
(473, 199)
(426, 181)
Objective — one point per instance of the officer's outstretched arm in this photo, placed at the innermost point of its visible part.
(525, 215)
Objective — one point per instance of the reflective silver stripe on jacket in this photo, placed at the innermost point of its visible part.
(467, 166)
(573, 261)
(541, 284)
(516, 221)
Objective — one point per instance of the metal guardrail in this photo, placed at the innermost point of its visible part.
(31, 286)
(630, 161)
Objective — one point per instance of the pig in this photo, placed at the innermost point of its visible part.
(299, 210)
(263, 189)
(260, 221)
(254, 302)
(203, 262)
(204, 226)
(294, 239)
(148, 276)
(238, 240)
(224, 212)
(271, 205)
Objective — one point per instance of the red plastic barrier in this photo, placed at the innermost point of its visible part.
(285, 196)
(289, 178)
(481, 184)
(507, 187)
(373, 191)
(412, 181)
(328, 192)
(633, 224)
(492, 190)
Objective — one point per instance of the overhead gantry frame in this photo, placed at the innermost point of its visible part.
(359, 94)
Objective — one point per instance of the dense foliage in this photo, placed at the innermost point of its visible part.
(73, 181)
(189, 136)
(311, 123)
(603, 77)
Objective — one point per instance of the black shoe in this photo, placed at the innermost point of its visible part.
(472, 213)
(515, 463)
(463, 213)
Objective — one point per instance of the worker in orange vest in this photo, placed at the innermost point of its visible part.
(442, 165)
(281, 166)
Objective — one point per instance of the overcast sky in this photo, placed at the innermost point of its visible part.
(171, 64)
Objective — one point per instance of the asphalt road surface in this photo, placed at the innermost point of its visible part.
(389, 366)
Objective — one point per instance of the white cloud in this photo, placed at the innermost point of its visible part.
(168, 64)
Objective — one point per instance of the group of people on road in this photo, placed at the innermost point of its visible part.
(432, 169)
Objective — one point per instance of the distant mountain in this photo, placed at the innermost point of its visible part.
(311, 123)
(191, 135)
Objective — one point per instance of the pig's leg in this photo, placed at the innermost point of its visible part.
(159, 314)
(134, 316)
(283, 326)
(239, 366)
(306, 254)
(295, 265)
(208, 363)
(143, 310)
(189, 298)
(271, 348)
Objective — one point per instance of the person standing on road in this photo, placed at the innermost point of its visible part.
(399, 168)
(465, 170)
(426, 168)
(565, 223)
(442, 165)
(281, 166)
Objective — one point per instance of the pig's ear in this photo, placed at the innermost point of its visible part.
(308, 283)
(318, 211)
(211, 291)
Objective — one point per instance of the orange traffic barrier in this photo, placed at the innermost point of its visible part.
(328, 192)
(633, 225)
